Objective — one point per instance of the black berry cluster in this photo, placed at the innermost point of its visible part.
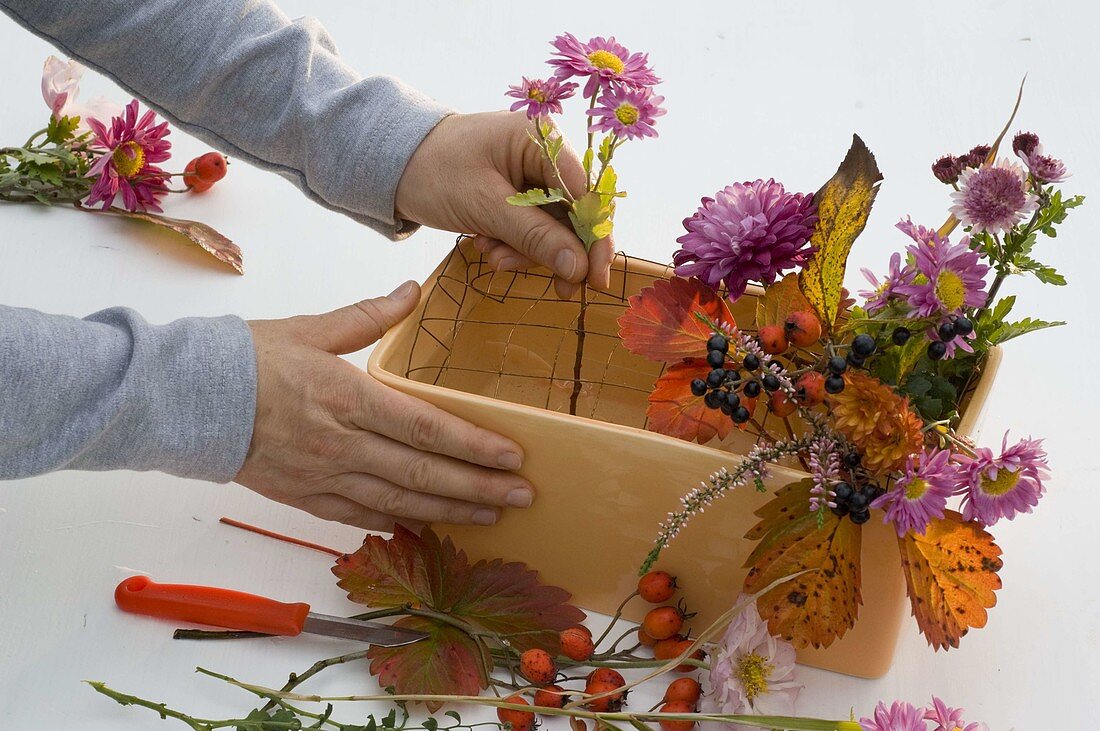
(723, 387)
(855, 501)
(863, 346)
(947, 331)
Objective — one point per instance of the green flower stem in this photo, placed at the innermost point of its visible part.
(297, 679)
(35, 136)
(553, 162)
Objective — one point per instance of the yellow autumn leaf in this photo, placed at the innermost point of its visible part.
(843, 205)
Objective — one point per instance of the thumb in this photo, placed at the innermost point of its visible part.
(354, 327)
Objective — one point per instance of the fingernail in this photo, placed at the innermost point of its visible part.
(508, 264)
(521, 497)
(403, 291)
(485, 517)
(510, 461)
(565, 264)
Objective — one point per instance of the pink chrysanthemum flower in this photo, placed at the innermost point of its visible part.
(540, 97)
(1002, 486)
(748, 232)
(899, 716)
(947, 278)
(629, 113)
(878, 298)
(602, 60)
(947, 718)
(920, 495)
(1044, 168)
(917, 232)
(993, 198)
(133, 146)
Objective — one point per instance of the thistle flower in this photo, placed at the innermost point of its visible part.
(603, 61)
(947, 169)
(993, 198)
(628, 113)
(950, 277)
(1024, 143)
(132, 145)
(947, 718)
(1001, 486)
(1044, 168)
(747, 232)
(878, 299)
(877, 421)
(540, 97)
(920, 495)
(900, 716)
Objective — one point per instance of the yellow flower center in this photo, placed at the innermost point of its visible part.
(536, 94)
(950, 290)
(915, 489)
(1005, 481)
(753, 671)
(606, 60)
(129, 159)
(627, 113)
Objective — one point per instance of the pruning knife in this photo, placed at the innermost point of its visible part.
(240, 611)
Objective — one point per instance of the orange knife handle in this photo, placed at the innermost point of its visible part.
(208, 605)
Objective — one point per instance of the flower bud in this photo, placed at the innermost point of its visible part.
(947, 169)
(977, 156)
(1025, 143)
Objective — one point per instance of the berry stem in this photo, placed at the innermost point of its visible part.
(280, 536)
(614, 619)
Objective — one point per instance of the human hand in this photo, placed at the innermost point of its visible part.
(459, 177)
(333, 441)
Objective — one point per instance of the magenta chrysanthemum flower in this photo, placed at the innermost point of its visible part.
(747, 232)
(920, 495)
(947, 718)
(602, 60)
(629, 113)
(540, 97)
(947, 278)
(132, 147)
(878, 298)
(993, 198)
(899, 716)
(1002, 486)
(1044, 168)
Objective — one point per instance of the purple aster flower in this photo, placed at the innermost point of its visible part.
(540, 97)
(948, 277)
(947, 718)
(878, 298)
(993, 198)
(1024, 143)
(947, 169)
(627, 112)
(1004, 485)
(746, 232)
(920, 495)
(900, 716)
(1044, 168)
(602, 60)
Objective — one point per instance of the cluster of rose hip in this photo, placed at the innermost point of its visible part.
(662, 629)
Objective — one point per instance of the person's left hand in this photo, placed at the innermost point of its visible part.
(459, 177)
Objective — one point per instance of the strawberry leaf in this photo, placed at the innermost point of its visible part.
(661, 324)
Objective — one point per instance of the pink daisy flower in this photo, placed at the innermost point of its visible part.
(540, 97)
(900, 716)
(132, 146)
(602, 60)
(993, 198)
(629, 113)
(878, 298)
(1044, 168)
(947, 278)
(947, 718)
(1002, 486)
(746, 232)
(920, 495)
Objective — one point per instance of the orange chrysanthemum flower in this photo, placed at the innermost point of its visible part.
(878, 421)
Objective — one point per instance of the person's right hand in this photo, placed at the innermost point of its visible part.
(333, 441)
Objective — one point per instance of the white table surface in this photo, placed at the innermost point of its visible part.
(752, 91)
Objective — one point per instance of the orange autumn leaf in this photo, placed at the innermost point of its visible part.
(779, 301)
(676, 412)
(818, 606)
(660, 322)
(951, 577)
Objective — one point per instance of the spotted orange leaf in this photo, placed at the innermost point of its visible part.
(951, 577)
(779, 301)
(676, 412)
(816, 607)
(660, 322)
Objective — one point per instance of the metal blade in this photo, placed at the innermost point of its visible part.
(356, 629)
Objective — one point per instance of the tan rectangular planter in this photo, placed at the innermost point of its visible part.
(498, 350)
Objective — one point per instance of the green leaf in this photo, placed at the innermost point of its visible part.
(554, 145)
(537, 197)
(60, 131)
(260, 717)
(607, 183)
(591, 218)
(931, 395)
(606, 150)
(586, 163)
(1009, 330)
(1042, 272)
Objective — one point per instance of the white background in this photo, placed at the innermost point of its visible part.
(753, 91)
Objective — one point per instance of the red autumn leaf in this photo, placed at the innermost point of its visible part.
(951, 577)
(660, 322)
(676, 412)
(500, 597)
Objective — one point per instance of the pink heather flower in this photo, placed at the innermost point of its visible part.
(920, 495)
(1002, 486)
(602, 60)
(60, 88)
(900, 716)
(747, 232)
(540, 97)
(132, 146)
(878, 298)
(947, 278)
(1044, 168)
(752, 672)
(993, 198)
(947, 718)
(627, 112)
